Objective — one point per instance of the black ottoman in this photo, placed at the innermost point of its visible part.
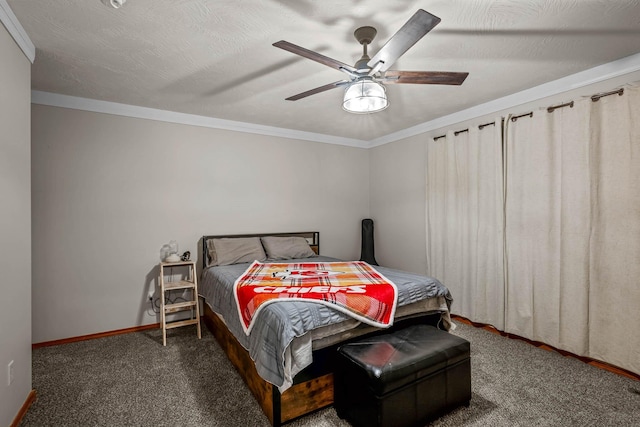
(401, 379)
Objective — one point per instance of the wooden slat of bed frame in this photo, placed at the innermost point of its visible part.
(306, 397)
(296, 401)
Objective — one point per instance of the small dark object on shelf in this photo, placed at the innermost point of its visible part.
(185, 256)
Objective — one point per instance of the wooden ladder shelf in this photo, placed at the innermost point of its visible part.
(190, 284)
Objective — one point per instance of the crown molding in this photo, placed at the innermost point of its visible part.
(86, 104)
(601, 73)
(16, 30)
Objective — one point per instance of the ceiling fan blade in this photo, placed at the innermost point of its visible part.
(315, 56)
(413, 30)
(424, 77)
(318, 90)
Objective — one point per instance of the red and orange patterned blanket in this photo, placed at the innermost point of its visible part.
(353, 287)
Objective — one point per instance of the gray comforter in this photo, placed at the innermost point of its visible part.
(277, 325)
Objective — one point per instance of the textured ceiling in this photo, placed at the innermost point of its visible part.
(215, 59)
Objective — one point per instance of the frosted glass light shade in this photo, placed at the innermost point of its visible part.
(116, 4)
(365, 96)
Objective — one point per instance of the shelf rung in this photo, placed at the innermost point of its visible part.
(181, 284)
(179, 323)
(178, 306)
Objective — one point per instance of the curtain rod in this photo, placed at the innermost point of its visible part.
(485, 125)
(596, 97)
(551, 109)
(515, 118)
(482, 126)
(555, 107)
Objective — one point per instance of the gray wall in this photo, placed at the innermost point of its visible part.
(109, 191)
(397, 200)
(15, 226)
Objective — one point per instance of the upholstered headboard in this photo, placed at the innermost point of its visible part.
(312, 237)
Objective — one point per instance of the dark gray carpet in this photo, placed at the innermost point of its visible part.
(132, 380)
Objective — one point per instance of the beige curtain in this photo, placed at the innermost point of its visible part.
(572, 215)
(464, 215)
(614, 268)
(547, 227)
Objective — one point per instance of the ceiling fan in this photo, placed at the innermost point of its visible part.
(365, 92)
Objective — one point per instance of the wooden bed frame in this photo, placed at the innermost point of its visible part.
(312, 388)
(298, 400)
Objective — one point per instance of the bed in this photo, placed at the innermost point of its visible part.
(287, 359)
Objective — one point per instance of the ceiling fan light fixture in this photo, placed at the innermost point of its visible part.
(365, 96)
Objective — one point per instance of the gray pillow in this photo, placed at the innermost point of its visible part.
(288, 247)
(229, 250)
